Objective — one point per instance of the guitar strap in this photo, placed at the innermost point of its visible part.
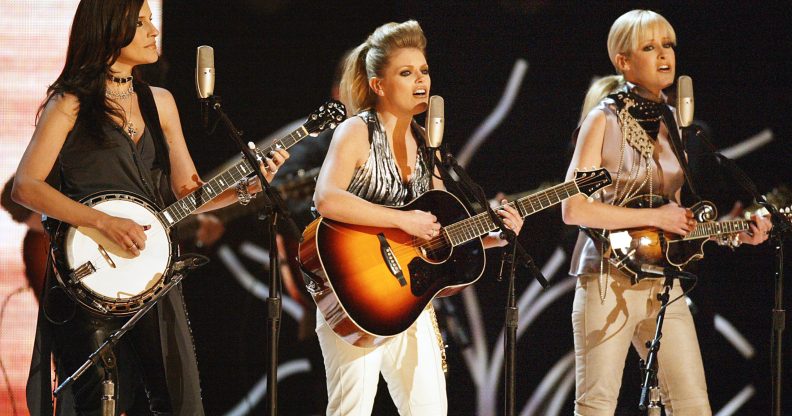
(148, 109)
(432, 159)
(678, 147)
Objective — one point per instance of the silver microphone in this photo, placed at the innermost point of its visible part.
(204, 71)
(435, 121)
(684, 102)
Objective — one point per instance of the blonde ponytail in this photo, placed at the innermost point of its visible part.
(599, 89)
(370, 58)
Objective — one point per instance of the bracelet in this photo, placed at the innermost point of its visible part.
(242, 192)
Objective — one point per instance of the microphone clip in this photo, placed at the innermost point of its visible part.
(650, 270)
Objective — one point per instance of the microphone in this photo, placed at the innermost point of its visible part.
(667, 272)
(204, 79)
(684, 104)
(189, 261)
(435, 122)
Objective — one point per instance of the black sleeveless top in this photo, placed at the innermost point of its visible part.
(116, 164)
(85, 167)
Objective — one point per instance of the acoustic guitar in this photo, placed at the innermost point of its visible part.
(371, 283)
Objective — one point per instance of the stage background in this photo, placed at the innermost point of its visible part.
(274, 64)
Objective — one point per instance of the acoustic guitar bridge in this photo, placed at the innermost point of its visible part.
(390, 259)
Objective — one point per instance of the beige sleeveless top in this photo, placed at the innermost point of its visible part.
(632, 174)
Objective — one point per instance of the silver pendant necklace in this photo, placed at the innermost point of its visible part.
(119, 94)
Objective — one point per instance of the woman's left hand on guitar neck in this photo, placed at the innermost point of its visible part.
(511, 219)
(760, 227)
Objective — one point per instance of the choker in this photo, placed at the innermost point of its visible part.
(648, 114)
(117, 80)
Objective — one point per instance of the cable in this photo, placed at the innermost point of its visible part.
(2, 366)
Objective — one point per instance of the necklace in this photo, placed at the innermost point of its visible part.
(128, 126)
(117, 80)
(119, 94)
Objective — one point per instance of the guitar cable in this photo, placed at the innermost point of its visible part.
(6, 300)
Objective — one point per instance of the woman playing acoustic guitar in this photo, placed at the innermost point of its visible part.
(625, 133)
(379, 158)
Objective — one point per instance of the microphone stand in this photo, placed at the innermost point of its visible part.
(782, 229)
(517, 254)
(104, 354)
(650, 390)
(274, 210)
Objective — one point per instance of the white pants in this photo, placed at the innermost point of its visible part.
(410, 363)
(603, 332)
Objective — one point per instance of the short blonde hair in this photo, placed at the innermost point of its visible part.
(370, 58)
(626, 32)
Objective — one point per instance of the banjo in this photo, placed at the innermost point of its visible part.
(103, 277)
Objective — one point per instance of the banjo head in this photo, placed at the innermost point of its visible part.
(103, 275)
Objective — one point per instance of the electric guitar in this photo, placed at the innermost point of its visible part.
(371, 283)
(104, 278)
(631, 248)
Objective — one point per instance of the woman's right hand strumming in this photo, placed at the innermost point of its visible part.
(124, 232)
(673, 218)
(420, 224)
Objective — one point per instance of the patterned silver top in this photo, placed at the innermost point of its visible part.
(378, 180)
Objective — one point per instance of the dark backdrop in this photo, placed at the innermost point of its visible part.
(275, 61)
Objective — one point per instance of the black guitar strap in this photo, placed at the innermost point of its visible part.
(148, 109)
(678, 147)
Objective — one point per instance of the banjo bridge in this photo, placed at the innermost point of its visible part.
(106, 256)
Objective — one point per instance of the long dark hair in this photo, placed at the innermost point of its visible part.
(99, 30)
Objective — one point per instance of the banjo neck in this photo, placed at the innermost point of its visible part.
(185, 206)
(328, 115)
